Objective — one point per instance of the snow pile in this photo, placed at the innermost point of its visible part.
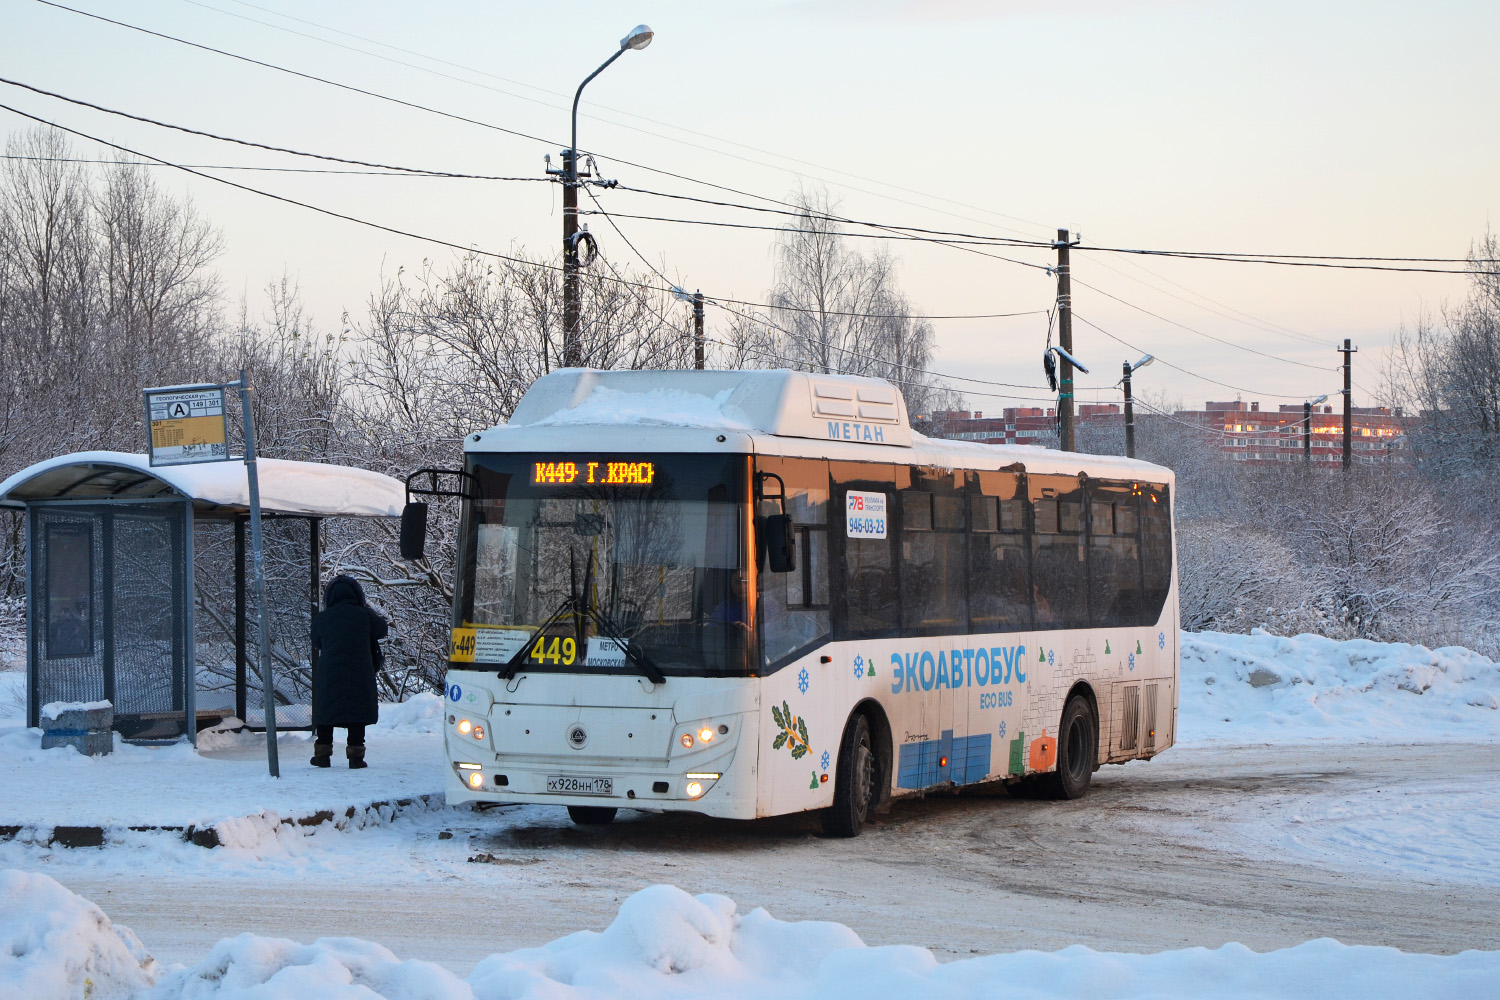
(53, 709)
(1266, 688)
(54, 944)
(665, 944)
(660, 407)
(421, 713)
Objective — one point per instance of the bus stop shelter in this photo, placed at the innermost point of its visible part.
(136, 584)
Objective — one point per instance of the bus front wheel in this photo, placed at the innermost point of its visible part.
(591, 815)
(854, 787)
(1077, 751)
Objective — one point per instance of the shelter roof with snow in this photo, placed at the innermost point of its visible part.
(307, 489)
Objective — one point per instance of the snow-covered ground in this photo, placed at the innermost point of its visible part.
(1320, 789)
(664, 943)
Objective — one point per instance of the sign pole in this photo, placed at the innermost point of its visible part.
(257, 559)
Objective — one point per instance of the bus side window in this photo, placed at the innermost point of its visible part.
(1058, 556)
(866, 600)
(1114, 555)
(999, 564)
(1155, 505)
(934, 584)
(794, 609)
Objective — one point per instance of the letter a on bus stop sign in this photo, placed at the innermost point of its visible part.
(186, 425)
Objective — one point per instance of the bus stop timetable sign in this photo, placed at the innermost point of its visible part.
(186, 425)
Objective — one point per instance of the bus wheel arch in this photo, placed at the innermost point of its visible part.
(885, 749)
(861, 772)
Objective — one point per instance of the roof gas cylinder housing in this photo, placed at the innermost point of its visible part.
(761, 402)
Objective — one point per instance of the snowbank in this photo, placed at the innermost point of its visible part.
(1262, 688)
(665, 944)
(54, 944)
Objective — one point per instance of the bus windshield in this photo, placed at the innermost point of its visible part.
(653, 544)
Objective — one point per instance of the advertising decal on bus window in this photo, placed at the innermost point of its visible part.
(865, 514)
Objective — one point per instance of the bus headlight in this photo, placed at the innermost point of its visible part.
(705, 735)
(464, 725)
(687, 741)
(699, 782)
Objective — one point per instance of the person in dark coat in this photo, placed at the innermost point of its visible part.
(346, 634)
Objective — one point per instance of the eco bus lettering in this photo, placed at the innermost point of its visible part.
(957, 668)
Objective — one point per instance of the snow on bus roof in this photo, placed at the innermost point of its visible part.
(841, 413)
(286, 487)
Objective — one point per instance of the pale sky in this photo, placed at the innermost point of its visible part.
(1301, 128)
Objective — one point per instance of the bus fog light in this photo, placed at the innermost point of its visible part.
(699, 782)
(464, 725)
(705, 735)
(687, 741)
(476, 779)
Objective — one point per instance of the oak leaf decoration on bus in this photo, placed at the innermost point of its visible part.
(793, 732)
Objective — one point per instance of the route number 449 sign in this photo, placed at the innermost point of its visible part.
(186, 425)
(864, 515)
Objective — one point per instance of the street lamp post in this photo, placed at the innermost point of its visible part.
(1130, 403)
(640, 36)
(1307, 409)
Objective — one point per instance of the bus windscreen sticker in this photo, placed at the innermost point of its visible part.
(865, 513)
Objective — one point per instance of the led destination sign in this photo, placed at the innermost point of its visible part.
(593, 473)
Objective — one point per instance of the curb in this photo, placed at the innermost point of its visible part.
(358, 817)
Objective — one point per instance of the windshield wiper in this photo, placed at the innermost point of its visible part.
(580, 610)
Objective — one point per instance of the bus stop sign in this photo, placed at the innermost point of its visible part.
(186, 425)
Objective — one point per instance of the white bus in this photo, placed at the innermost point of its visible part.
(753, 593)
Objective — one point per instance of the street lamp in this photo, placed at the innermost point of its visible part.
(1307, 408)
(639, 37)
(1129, 404)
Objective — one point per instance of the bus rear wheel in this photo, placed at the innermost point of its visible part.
(592, 815)
(1077, 752)
(854, 788)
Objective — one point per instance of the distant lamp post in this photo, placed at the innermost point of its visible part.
(1307, 409)
(639, 37)
(1130, 403)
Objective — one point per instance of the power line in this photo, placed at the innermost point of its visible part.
(1325, 261)
(1185, 371)
(1184, 326)
(618, 111)
(421, 172)
(302, 204)
(240, 166)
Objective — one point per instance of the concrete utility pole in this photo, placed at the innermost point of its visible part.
(1348, 351)
(1130, 403)
(1066, 436)
(640, 36)
(698, 342)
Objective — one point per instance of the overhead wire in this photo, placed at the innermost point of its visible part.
(417, 171)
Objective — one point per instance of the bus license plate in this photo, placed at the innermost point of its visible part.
(580, 786)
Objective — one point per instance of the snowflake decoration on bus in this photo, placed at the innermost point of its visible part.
(793, 732)
(824, 760)
(1132, 661)
(1002, 729)
(802, 680)
(1161, 640)
(859, 671)
(1050, 659)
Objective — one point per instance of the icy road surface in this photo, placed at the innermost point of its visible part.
(1270, 846)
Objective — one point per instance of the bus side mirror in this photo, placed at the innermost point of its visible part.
(413, 530)
(781, 544)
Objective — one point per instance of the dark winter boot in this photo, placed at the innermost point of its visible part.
(322, 755)
(356, 754)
